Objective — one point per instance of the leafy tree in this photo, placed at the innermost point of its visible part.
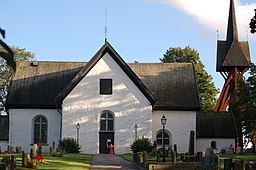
(6, 72)
(206, 87)
(6, 53)
(243, 106)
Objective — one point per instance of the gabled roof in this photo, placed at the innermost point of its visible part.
(36, 85)
(215, 125)
(232, 53)
(106, 48)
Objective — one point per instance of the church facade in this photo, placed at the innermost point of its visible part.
(107, 97)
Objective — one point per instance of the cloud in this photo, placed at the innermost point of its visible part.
(214, 13)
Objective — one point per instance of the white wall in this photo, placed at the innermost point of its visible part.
(179, 124)
(204, 143)
(21, 133)
(3, 145)
(84, 105)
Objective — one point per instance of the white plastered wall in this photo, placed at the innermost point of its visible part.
(21, 127)
(84, 105)
(179, 124)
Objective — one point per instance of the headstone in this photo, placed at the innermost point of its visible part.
(191, 149)
(144, 157)
(50, 151)
(34, 149)
(40, 147)
(31, 152)
(3, 166)
(175, 149)
(53, 146)
(238, 165)
(7, 161)
(173, 157)
(23, 159)
(227, 164)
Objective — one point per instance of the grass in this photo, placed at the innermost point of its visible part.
(150, 158)
(238, 156)
(69, 161)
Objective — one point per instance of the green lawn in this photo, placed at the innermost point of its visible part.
(67, 162)
(237, 156)
(150, 158)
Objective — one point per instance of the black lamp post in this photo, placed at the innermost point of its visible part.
(77, 132)
(135, 129)
(163, 122)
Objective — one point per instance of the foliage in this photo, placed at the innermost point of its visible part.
(206, 87)
(6, 71)
(70, 145)
(6, 53)
(141, 144)
(243, 104)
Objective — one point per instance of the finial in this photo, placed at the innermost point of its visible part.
(106, 25)
(218, 35)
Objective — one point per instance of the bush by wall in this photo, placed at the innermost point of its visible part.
(70, 145)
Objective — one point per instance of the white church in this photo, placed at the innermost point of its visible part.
(108, 97)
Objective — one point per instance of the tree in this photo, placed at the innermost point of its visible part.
(6, 53)
(206, 87)
(243, 106)
(6, 72)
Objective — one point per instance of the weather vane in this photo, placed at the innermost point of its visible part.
(106, 24)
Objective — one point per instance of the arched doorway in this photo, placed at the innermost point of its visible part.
(106, 133)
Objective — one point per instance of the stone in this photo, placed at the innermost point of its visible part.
(34, 150)
(227, 164)
(191, 149)
(7, 161)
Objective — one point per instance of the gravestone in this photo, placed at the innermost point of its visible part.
(210, 159)
(191, 149)
(40, 147)
(175, 149)
(34, 150)
(227, 164)
(7, 161)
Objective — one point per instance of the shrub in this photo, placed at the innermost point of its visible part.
(70, 145)
(140, 145)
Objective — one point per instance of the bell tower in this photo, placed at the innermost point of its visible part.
(233, 59)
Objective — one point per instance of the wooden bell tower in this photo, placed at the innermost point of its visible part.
(233, 59)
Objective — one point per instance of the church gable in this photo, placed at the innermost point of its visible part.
(107, 84)
(107, 51)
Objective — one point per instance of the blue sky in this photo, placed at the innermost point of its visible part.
(139, 30)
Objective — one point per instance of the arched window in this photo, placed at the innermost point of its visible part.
(159, 138)
(107, 121)
(40, 129)
(213, 144)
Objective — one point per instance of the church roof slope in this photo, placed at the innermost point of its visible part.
(36, 84)
(215, 125)
(173, 85)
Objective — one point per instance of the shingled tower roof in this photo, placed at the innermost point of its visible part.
(232, 53)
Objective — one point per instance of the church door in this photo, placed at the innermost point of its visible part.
(106, 134)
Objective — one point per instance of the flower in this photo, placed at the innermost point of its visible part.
(39, 158)
(30, 165)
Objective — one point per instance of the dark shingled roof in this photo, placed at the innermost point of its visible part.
(171, 85)
(215, 125)
(232, 53)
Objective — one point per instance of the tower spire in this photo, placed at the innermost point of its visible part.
(232, 33)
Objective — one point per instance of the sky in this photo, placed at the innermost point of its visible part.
(139, 30)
